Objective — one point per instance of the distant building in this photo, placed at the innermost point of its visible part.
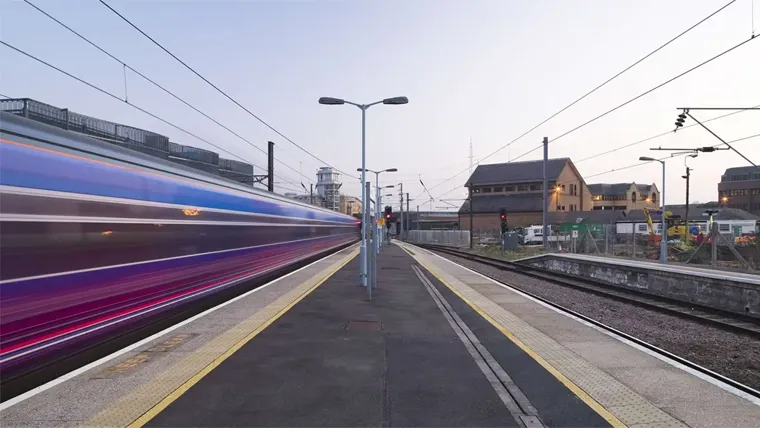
(517, 188)
(740, 188)
(350, 205)
(328, 187)
(624, 196)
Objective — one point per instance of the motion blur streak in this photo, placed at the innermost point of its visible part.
(96, 237)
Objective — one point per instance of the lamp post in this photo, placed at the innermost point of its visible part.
(664, 240)
(363, 108)
(377, 195)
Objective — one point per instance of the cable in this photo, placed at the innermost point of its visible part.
(219, 90)
(662, 159)
(594, 90)
(659, 135)
(639, 142)
(653, 89)
(125, 65)
(635, 98)
(126, 102)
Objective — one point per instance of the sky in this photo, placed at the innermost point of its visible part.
(480, 71)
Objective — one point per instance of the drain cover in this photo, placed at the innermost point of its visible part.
(364, 325)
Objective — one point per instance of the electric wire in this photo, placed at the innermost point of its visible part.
(103, 91)
(132, 69)
(593, 90)
(217, 88)
(624, 104)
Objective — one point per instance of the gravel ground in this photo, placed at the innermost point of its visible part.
(734, 355)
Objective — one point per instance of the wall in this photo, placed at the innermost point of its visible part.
(748, 201)
(490, 221)
(627, 204)
(720, 293)
(582, 200)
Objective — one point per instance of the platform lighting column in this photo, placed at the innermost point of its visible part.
(664, 240)
(365, 195)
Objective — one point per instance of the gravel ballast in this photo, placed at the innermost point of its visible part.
(734, 355)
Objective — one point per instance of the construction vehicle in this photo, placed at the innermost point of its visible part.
(676, 228)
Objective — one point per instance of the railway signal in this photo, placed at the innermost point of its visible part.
(503, 220)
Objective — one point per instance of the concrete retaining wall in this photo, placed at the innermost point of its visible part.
(719, 292)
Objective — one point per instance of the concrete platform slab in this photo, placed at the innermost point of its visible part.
(636, 387)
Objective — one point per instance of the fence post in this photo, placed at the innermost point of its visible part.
(714, 235)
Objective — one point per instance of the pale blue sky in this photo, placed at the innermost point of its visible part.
(487, 70)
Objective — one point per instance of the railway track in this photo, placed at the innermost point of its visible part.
(727, 320)
(731, 322)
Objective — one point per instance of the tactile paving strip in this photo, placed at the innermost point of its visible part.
(627, 407)
(173, 382)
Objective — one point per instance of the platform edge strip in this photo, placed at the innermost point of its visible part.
(163, 404)
(575, 389)
(157, 408)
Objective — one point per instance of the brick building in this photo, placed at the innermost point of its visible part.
(624, 196)
(740, 188)
(517, 188)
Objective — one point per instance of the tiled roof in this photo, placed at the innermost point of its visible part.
(609, 189)
(516, 172)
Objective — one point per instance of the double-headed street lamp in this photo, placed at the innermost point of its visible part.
(363, 108)
(664, 240)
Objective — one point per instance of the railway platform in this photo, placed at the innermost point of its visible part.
(438, 345)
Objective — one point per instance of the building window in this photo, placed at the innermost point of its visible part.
(486, 190)
(563, 188)
(642, 227)
(633, 196)
(654, 197)
(509, 188)
(535, 187)
(498, 189)
(522, 188)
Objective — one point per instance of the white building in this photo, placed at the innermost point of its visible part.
(328, 187)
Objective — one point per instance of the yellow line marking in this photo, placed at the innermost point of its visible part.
(163, 404)
(578, 391)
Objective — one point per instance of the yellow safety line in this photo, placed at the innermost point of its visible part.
(163, 404)
(578, 391)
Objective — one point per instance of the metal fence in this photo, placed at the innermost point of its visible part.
(454, 238)
(725, 251)
(711, 248)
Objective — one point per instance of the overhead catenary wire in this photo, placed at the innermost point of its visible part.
(659, 136)
(663, 158)
(653, 137)
(110, 94)
(638, 164)
(625, 103)
(132, 69)
(262, 121)
(592, 91)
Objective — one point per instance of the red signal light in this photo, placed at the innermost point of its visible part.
(503, 216)
(387, 216)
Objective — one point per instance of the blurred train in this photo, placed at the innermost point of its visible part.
(95, 238)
